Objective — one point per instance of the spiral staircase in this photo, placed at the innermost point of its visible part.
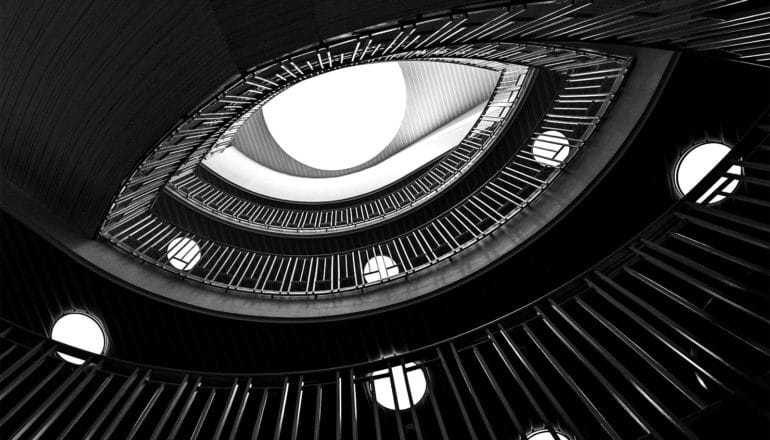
(503, 320)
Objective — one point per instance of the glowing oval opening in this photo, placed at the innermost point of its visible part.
(696, 163)
(339, 119)
(383, 388)
(380, 267)
(183, 253)
(550, 148)
(81, 331)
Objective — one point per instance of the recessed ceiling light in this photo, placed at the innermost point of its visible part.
(183, 253)
(697, 162)
(550, 148)
(383, 388)
(339, 119)
(380, 267)
(544, 434)
(81, 331)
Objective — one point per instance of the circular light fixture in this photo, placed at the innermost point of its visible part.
(696, 163)
(550, 148)
(545, 434)
(183, 253)
(339, 119)
(380, 267)
(81, 331)
(383, 388)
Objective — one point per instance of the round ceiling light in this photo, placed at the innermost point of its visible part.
(384, 389)
(550, 148)
(545, 434)
(183, 253)
(697, 162)
(339, 119)
(81, 331)
(380, 267)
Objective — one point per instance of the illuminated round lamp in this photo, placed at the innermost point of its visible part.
(383, 389)
(339, 119)
(696, 163)
(545, 434)
(183, 253)
(551, 148)
(80, 331)
(380, 267)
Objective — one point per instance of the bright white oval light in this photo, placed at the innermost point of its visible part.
(383, 389)
(81, 331)
(544, 434)
(549, 148)
(380, 267)
(697, 163)
(341, 118)
(183, 253)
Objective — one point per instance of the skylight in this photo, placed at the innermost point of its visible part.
(696, 163)
(339, 119)
(383, 388)
(81, 331)
(234, 166)
(183, 253)
(380, 267)
(550, 148)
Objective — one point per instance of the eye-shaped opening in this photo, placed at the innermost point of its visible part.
(352, 131)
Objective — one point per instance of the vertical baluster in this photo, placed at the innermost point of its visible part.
(498, 391)
(281, 409)
(85, 407)
(456, 393)
(127, 405)
(541, 384)
(260, 415)
(204, 414)
(147, 409)
(172, 404)
(318, 407)
(241, 409)
(185, 409)
(472, 391)
(397, 410)
(226, 410)
(64, 404)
